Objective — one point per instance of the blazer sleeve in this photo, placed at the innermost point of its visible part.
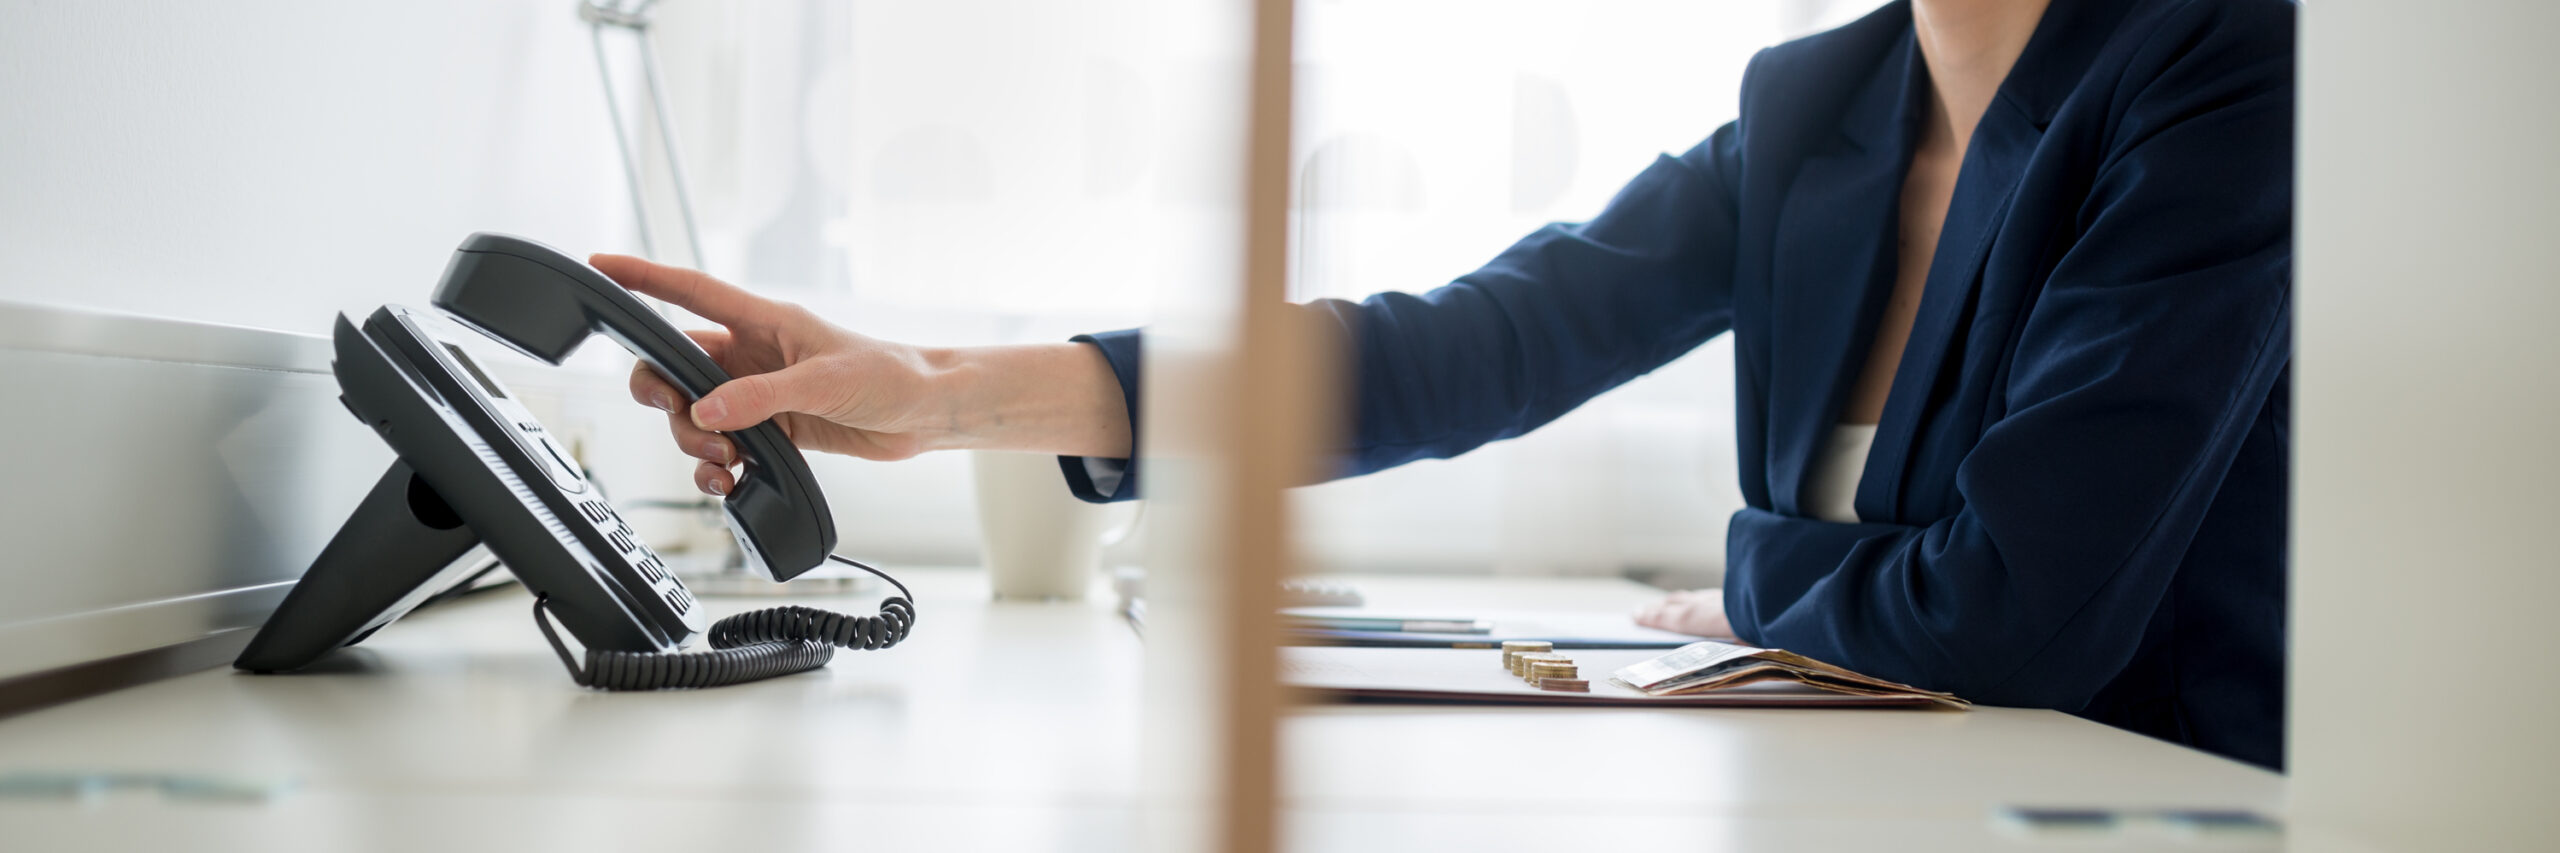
(1565, 313)
(2154, 346)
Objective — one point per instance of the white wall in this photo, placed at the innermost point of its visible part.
(2423, 707)
(265, 163)
(252, 164)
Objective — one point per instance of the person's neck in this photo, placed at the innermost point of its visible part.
(1969, 46)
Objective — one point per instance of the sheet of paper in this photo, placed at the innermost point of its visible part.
(1477, 675)
(1520, 625)
(1694, 657)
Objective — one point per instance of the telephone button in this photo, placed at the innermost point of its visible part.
(556, 456)
(652, 569)
(677, 599)
(621, 542)
(595, 511)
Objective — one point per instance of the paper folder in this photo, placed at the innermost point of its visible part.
(1477, 676)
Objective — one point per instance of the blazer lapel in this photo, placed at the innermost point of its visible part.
(1832, 271)
(2047, 72)
(1985, 183)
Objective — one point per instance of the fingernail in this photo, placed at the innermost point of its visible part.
(660, 400)
(718, 450)
(708, 409)
(717, 488)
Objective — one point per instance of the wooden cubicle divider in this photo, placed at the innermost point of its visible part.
(1238, 397)
(1267, 444)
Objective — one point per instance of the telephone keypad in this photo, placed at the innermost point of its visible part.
(638, 554)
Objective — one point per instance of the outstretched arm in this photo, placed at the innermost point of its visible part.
(837, 390)
(1564, 314)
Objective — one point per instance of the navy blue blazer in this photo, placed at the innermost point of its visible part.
(2076, 497)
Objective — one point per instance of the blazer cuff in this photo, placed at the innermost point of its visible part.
(1772, 560)
(1098, 479)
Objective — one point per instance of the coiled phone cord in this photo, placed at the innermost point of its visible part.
(750, 646)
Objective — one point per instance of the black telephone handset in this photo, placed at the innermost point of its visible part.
(544, 304)
(476, 467)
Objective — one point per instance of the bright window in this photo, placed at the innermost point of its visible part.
(997, 170)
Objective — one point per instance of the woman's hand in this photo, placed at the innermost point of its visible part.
(835, 390)
(1688, 611)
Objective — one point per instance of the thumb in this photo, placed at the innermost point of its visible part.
(749, 400)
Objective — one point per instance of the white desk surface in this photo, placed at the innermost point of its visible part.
(1016, 726)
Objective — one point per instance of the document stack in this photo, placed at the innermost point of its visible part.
(1708, 665)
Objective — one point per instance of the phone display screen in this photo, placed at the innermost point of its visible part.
(474, 370)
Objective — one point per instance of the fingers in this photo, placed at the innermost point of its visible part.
(1697, 612)
(651, 388)
(714, 343)
(1685, 611)
(711, 474)
(653, 391)
(699, 443)
(749, 400)
(716, 300)
(714, 480)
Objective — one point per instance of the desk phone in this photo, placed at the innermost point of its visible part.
(475, 467)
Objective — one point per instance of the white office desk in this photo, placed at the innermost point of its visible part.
(1016, 727)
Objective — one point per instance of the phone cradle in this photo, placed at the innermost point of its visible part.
(400, 546)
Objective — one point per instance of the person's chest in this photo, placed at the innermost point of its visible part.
(1926, 187)
(1865, 239)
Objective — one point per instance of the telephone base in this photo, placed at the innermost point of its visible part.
(399, 547)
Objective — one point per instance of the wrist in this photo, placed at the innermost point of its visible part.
(951, 414)
(1057, 398)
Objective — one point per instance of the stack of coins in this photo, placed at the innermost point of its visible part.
(1536, 662)
(1512, 649)
(1524, 664)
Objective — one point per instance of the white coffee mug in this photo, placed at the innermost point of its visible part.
(1038, 540)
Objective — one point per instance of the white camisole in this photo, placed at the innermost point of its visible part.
(1832, 493)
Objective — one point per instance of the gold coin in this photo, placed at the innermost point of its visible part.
(1523, 661)
(1512, 649)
